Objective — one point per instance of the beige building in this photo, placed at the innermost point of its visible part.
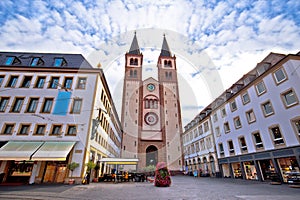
(151, 116)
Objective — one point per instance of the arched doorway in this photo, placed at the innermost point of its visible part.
(212, 165)
(151, 155)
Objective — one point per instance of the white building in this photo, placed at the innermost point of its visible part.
(54, 109)
(256, 122)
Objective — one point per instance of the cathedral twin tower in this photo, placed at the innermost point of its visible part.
(151, 116)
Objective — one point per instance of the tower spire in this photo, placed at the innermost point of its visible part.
(134, 48)
(165, 50)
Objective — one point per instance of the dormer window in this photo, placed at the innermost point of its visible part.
(58, 62)
(36, 61)
(11, 60)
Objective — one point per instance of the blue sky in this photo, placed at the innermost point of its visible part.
(235, 35)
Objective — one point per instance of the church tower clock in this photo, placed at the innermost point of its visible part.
(151, 116)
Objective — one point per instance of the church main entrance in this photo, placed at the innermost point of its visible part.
(151, 155)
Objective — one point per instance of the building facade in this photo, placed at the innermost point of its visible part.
(255, 122)
(55, 109)
(151, 116)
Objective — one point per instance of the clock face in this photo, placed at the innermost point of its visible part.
(150, 87)
(151, 118)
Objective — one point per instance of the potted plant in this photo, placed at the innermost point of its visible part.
(72, 166)
(90, 165)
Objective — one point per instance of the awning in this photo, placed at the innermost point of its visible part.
(56, 151)
(18, 150)
(120, 161)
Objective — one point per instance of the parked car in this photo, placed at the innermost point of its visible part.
(293, 178)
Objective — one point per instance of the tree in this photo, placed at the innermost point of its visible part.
(72, 166)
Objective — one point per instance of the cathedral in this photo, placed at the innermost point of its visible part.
(151, 114)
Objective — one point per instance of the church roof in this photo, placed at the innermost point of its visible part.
(165, 50)
(134, 48)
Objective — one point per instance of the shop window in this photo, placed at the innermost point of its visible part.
(40, 129)
(250, 116)
(8, 129)
(12, 81)
(233, 106)
(17, 105)
(289, 98)
(230, 147)
(24, 130)
(237, 122)
(33, 103)
(257, 140)
(267, 108)
(243, 144)
(76, 107)
(276, 135)
(260, 88)
(68, 83)
(226, 127)
(81, 84)
(3, 103)
(56, 130)
(40, 82)
(72, 130)
(280, 76)
(245, 98)
(26, 82)
(288, 166)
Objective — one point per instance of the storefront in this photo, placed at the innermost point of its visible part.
(237, 171)
(250, 170)
(286, 166)
(19, 171)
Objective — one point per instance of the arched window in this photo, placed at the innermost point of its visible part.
(151, 155)
(131, 73)
(135, 73)
(151, 102)
(135, 61)
(131, 61)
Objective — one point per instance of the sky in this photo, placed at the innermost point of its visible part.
(215, 42)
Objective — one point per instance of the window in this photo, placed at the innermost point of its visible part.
(26, 82)
(250, 116)
(233, 106)
(221, 148)
(40, 82)
(237, 122)
(10, 60)
(223, 112)
(68, 83)
(260, 88)
(218, 133)
(17, 104)
(215, 117)
(12, 81)
(289, 98)
(230, 146)
(58, 62)
(3, 103)
(53, 82)
(36, 62)
(81, 84)
(40, 129)
(226, 127)
(8, 129)
(245, 98)
(276, 135)
(48, 102)
(243, 144)
(279, 76)
(33, 103)
(56, 129)
(296, 124)
(206, 127)
(24, 129)
(200, 130)
(76, 108)
(1, 80)
(267, 108)
(257, 140)
(72, 130)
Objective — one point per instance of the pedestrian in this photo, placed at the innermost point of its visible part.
(195, 173)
